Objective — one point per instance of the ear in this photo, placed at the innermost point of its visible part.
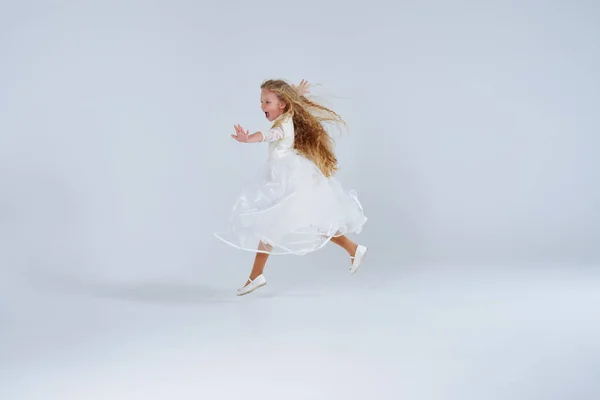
(282, 105)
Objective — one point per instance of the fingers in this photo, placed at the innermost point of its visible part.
(241, 134)
(302, 88)
(238, 129)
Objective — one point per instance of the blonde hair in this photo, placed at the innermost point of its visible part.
(310, 137)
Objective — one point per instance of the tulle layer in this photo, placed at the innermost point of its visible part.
(293, 208)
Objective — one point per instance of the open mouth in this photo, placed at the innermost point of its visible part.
(267, 114)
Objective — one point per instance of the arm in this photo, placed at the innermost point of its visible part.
(242, 135)
(272, 134)
(256, 137)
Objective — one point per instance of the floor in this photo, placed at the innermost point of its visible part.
(384, 333)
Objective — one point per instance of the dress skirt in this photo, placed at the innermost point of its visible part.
(293, 208)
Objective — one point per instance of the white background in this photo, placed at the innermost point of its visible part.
(472, 143)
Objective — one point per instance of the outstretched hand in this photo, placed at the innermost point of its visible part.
(240, 135)
(302, 88)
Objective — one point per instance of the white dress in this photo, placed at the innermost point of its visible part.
(291, 205)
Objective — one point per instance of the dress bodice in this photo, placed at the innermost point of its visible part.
(281, 138)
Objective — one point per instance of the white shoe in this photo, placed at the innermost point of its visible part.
(253, 285)
(357, 258)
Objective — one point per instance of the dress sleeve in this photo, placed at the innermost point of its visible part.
(273, 134)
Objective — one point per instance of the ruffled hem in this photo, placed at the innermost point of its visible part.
(279, 248)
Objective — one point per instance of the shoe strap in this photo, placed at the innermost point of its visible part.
(353, 257)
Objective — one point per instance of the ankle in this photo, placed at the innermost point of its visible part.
(254, 275)
(352, 250)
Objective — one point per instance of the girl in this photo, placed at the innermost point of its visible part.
(294, 206)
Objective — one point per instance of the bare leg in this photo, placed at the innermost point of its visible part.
(259, 261)
(344, 242)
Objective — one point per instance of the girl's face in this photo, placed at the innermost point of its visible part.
(271, 105)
